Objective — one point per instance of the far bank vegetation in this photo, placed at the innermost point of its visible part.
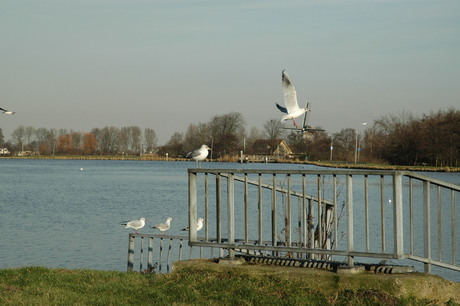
(404, 139)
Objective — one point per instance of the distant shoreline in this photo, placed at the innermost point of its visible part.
(361, 166)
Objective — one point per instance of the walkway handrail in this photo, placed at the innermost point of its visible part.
(320, 228)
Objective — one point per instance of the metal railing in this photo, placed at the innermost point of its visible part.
(328, 213)
(324, 215)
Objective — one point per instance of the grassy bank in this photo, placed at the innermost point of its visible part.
(200, 283)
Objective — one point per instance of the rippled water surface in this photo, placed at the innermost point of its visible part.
(67, 213)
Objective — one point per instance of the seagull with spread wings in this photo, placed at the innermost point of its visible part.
(6, 112)
(292, 109)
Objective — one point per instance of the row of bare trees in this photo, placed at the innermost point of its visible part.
(107, 140)
(401, 139)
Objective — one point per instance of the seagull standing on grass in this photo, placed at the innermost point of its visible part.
(292, 109)
(199, 225)
(163, 226)
(199, 154)
(6, 112)
(135, 224)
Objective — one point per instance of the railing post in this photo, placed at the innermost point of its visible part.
(350, 218)
(218, 212)
(427, 225)
(231, 214)
(131, 239)
(192, 202)
(274, 211)
(398, 215)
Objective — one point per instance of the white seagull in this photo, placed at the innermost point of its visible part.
(199, 225)
(199, 154)
(163, 226)
(135, 224)
(6, 112)
(292, 109)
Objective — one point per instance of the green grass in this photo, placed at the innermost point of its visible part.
(200, 286)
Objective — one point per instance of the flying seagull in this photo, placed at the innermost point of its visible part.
(135, 224)
(199, 154)
(6, 112)
(163, 226)
(199, 225)
(292, 109)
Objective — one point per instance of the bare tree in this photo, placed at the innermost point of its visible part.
(107, 139)
(175, 146)
(150, 140)
(228, 133)
(18, 136)
(197, 134)
(274, 129)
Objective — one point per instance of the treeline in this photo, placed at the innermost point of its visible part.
(403, 139)
(107, 140)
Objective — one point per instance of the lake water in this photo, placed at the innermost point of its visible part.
(67, 213)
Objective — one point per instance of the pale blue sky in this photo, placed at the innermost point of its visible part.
(165, 64)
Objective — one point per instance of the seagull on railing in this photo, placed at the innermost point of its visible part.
(135, 224)
(163, 226)
(6, 112)
(199, 225)
(292, 109)
(199, 154)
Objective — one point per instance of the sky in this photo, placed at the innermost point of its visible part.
(83, 64)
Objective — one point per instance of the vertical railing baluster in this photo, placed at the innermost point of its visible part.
(454, 241)
(206, 208)
(366, 210)
(311, 225)
(218, 212)
(150, 254)
(334, 201)
(141, 255)
(398, 216)
(411, 216)
(320, 217)
(299, 223)
(350, 245)
(287, 219)
(439, 224)
(168, 258)
(260, 227)
(274, 211)
(131, 246)
(193, 203)
(231, 214)
(161, 254)
(427, 224)
(382, 211)
(304, 211)
(246, 209)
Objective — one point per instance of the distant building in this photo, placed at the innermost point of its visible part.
(272, 148)
(4, 151)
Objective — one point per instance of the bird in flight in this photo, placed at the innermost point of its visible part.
(6, 112)
(292, 109)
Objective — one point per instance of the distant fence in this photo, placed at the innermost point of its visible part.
(323, 214)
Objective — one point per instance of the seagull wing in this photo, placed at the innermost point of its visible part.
(192, 154)
(290, 95)
(281, 108)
